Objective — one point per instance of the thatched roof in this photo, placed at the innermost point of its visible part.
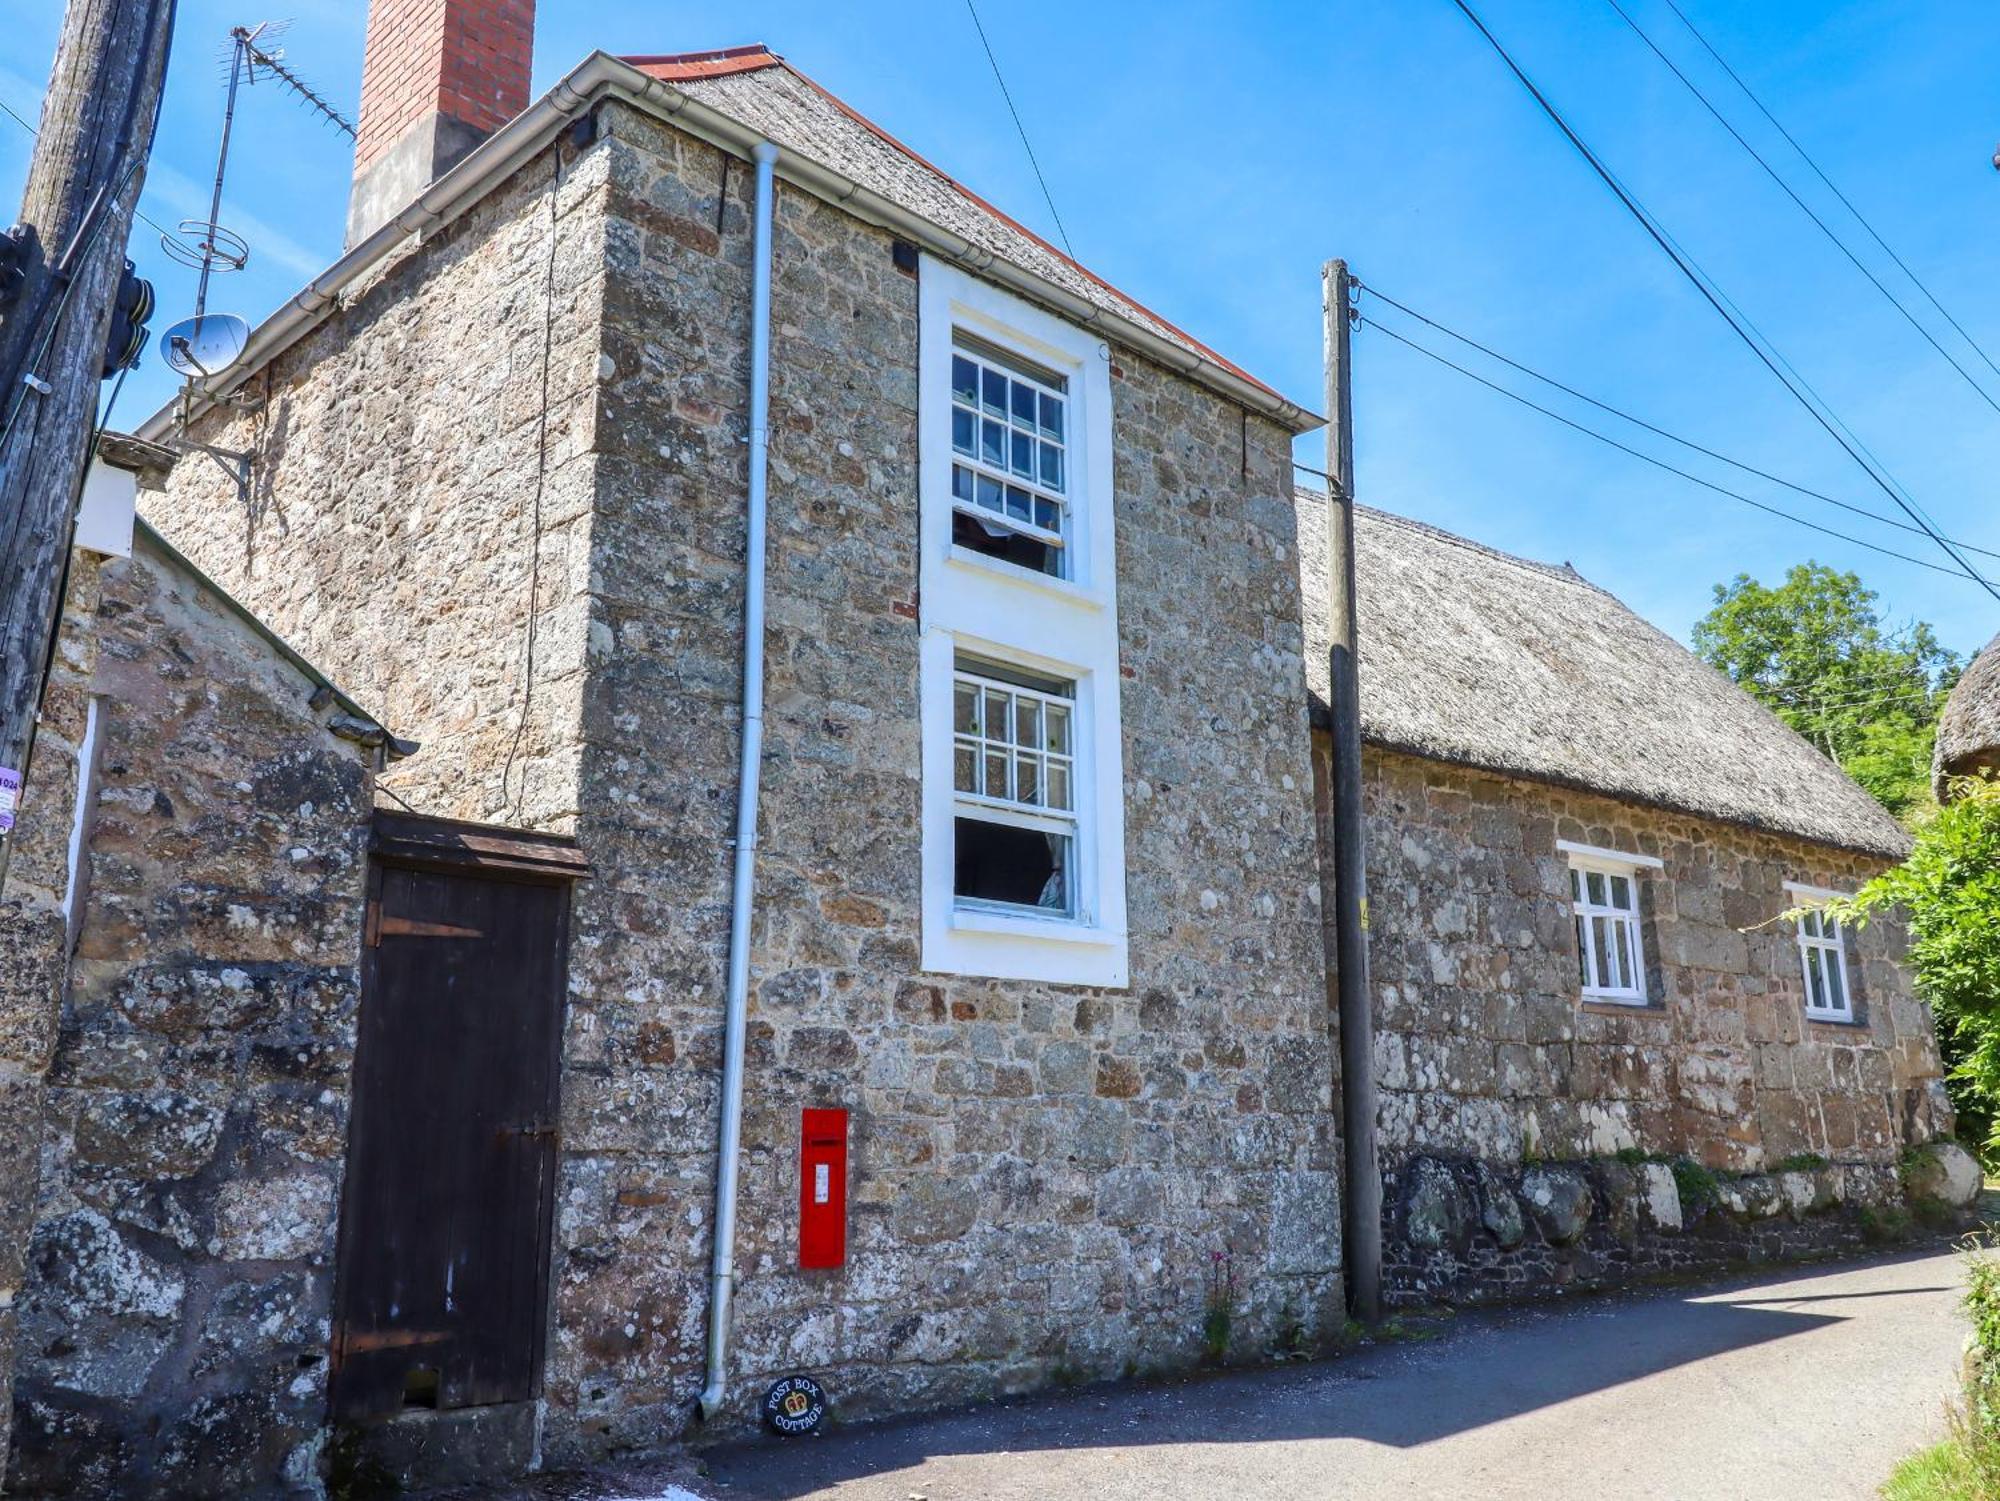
(1481, 659)
(1969, 733)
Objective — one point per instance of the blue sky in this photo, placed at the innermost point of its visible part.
(1207, 157)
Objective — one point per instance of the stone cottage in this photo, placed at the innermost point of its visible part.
(1583, 846)
(1015, 1058)
(1052, 944)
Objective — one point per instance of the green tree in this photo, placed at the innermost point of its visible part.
(1949, 892)
(1815, 650)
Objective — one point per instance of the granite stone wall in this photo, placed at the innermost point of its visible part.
(1042, 1176)
(413, 491)
(1485, 1053)
(36, 929)
(173, 1324)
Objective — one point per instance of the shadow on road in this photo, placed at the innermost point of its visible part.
(1489, 1368)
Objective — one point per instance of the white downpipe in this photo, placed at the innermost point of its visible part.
(722, 1279)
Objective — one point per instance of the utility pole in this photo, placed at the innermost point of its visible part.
(1362, 1229)
(83, 184)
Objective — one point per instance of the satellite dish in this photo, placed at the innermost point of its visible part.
(205, 345)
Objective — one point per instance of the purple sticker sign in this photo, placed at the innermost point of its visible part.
(10, 796)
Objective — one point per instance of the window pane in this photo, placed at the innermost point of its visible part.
(1600, 941)
(1027, 722)
(961, 482)
(1052, 418)
(1621, 892)
(1059, 784)
(1055, 891)
(1056, 721)
(1815, 980)
(1024, 455)
(1024, 404)
(999, 863)
(962, 425)
(996, 775)
(1019, 504)
(965, 709)
(992, 442)
(993, 387)
(964, 380)
(1594, 885)
(1047, 515)
(964, 768)
(1583, 950)
(1575, 883)
(1810, 922)
(989, 493)
(996, 715)
(1028, 779)
(1622, 932)
(1836, 987)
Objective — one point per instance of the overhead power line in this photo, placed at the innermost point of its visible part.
(1006, 94)
(34, 134)
(1845, 202)
(1853, 701)
(1804, 207)
(1657, 463)
(1712, 295)
(1624, 416)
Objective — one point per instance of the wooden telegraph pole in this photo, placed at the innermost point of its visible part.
(67, 261)
(1363, 1201)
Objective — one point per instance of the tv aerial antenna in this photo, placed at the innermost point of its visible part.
(208, 344)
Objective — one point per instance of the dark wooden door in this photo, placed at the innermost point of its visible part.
(452, 1149)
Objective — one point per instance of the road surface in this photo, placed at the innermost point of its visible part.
(1803, 1385)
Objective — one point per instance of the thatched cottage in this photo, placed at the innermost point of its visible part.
(1583, 842)
(859, 911)
(1968, 739)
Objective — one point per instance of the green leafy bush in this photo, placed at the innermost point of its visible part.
(1949, 892)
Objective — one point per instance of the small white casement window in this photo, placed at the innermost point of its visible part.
(1822, 957)
(1014, 828)
(1009, 419)
(1610, 946)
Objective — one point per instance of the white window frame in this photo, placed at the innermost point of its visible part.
(1039, 816)
(972, 605)
(1585, 861)
(988, 358)
(1829, 948)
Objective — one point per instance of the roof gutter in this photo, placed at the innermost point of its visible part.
(601, 76)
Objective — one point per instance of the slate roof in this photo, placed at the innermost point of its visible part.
(759, 88)
(1475, 657)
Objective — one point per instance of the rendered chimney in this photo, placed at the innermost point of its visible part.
(437, 78)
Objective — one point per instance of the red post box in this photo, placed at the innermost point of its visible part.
(822, 1188)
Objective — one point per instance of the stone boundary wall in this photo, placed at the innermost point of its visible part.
(1465, 1231)
(173, 1329)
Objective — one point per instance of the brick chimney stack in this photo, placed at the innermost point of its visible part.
(437, 78)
